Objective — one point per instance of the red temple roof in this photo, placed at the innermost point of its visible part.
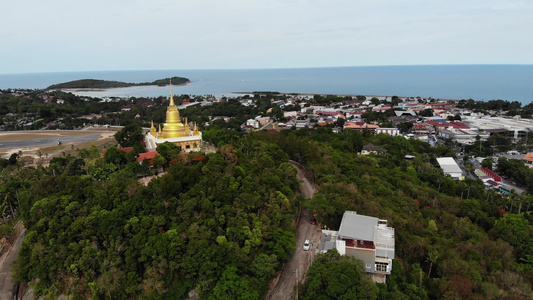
(489, 172)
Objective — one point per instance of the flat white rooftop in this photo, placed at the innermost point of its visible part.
(499, 122)
(448, 165)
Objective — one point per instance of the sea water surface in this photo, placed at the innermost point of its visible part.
(478, 82)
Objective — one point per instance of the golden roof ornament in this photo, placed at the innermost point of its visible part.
(195, 132)
(187, 129)
(153, 132)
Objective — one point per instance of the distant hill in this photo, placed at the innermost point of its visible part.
(107, 84)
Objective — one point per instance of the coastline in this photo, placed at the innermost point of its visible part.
(380, 97)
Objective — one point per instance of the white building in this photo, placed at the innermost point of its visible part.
(290, 114)
(389, 131)
(366, 238)
(450, 167)
(253, 123)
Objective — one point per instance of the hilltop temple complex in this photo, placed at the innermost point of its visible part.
(174, 131)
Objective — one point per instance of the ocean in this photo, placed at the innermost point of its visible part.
(478, 82)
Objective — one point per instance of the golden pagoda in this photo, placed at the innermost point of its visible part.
(174, 131)
(173, 127)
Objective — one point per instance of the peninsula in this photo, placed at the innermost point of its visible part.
(107, 84)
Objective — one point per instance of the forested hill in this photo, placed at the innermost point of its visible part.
(106, 84)
(223, 223)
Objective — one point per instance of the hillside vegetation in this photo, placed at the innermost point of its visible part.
(454, 239)
(223, 223)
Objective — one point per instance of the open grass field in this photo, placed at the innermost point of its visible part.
(100, 143)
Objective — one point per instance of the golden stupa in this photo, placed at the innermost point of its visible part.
(173, 127)
(174, 131)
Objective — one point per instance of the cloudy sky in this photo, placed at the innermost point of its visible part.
(82, 35)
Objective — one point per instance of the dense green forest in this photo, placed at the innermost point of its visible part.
(222, 224)
(104, 84)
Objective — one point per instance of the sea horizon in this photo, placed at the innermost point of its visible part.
(511, 82)
(247, 69)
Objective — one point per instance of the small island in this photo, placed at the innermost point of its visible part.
(108, 84)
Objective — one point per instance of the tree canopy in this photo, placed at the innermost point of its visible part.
(130, 135)
(223, 223)
(335, 276)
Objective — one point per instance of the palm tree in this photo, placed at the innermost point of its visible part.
(433, 256)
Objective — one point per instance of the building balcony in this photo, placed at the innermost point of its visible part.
(359, 244)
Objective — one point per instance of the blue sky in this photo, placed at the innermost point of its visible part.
(66, 35)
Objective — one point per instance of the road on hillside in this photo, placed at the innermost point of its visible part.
(6, 285)
(294, 270)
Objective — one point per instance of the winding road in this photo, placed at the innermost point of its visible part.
(6, 284)
(295, 269)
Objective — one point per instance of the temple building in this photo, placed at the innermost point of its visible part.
(174, 131)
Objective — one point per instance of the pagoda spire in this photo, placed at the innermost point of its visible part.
(172, 128)
(171, 94)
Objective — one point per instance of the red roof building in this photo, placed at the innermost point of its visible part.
(434, 123)
(147, 156)
(360, 126)
(492, 182)
(456, 125)
(489, 173)
(529, 158)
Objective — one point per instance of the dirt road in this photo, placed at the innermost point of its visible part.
(294, 270)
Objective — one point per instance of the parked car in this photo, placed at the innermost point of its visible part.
(307, 245)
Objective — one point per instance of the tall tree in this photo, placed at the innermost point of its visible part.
(130, 135)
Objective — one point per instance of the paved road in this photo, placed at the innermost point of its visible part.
(298, 264)
(6, 285)
(48, 141)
